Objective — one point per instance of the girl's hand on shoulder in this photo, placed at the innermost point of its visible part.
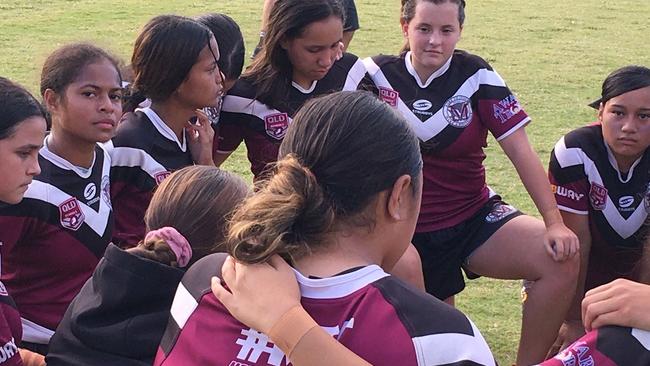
(621, 302)
(31, 358)
(258, 295)
(561, 243)
(200, 136)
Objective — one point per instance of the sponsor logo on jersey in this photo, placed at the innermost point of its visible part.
(90, 191)
(625, 203)
(578, 354)
(161, 176)
(422, 107)
(499, 212)
(3, 290)
(458, 111)
(8, 350)
(106, 190)
(276, 125)
(71, 216)
(389, 96)
(598, 196)
(566, 192)
(506, 108)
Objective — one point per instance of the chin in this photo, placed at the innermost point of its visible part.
(12, 199)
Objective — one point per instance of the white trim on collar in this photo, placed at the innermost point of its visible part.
(64, 164)
(340, 285)
(411, 69)
(162, 127)
(303, 90)
(614, 163)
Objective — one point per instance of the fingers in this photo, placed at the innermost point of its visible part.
(595, 310)
(228, 272)
(278, 263)
(223, 295)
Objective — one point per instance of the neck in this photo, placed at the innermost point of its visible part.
(303, 82)
(423, 73)
(174, 115)
(343, 252)
(625, 162)
(71, 148)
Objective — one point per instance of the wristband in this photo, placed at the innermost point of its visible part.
(287, 332)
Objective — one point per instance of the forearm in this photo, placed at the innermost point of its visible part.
(306, 343)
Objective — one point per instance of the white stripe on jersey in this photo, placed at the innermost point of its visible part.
(430, 349)
(425, 130)
(183, 306)
(35, 333)
(236, 104)
(52, 195)
(643, 336)
(132, 157)
(340, 285)
(355, 75)
(567, 157)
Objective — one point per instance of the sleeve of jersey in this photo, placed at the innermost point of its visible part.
(607, 346)
(569, 182)
(236, 114)
(16, 222)
(498, 108)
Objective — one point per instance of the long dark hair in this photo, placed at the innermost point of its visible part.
(271, 71)
(231, 43)
(621, 81)
(339, 153)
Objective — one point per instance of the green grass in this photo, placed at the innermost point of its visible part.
(553, 53)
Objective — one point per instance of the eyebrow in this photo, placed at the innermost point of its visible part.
(97, 87)
(30, 147)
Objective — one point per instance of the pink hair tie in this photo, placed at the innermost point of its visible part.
(176, 241)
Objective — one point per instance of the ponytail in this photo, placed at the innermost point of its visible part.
(288, 216)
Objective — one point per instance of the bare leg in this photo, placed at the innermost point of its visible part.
(516, 251)
(409, 268)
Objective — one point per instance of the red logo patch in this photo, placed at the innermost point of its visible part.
(160, 176)
(389, 96)
(276, 125)
(598, 196)
(71, 215)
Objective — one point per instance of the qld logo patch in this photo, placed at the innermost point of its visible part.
(598, 196)
(161, 176)
(276, 125)
(389, 96)
(70, 214)
(499, 212)
(458, 111)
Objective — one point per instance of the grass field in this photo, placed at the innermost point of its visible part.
(553, 53)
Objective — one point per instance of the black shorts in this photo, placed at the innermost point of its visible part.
(444, 252)
(351, 17)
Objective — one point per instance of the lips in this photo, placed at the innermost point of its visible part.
(106, 123)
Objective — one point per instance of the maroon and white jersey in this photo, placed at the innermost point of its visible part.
(53, 239)
(144, 152)
(11, 330)
(606, 346)
(262, 127)
(372, 313)
(586, 181)
(451, 113)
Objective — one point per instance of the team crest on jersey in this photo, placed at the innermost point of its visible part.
(506, 108)
(578, 354)
(499, 212)
(160, 176)
(598, 196)
(3, 290)
(276, 125)
(106, 190)
(458, 111)
(389, 96)
(70, 214)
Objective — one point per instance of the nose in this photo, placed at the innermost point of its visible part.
(106, 104)
(33, 169)
(629, 124)
(434, 38)
(327, 58)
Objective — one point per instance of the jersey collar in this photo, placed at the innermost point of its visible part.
(64, 164)
(162, 127)
(340, 285)
(303, 90)
(411, 70)
(612, 160)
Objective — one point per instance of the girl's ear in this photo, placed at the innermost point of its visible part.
(601, 110)
(51, 100)
(405, 27)
(397, 205)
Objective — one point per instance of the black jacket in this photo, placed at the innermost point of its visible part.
(120, 314)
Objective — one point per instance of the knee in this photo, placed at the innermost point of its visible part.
(566, 271)
(409, 268)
